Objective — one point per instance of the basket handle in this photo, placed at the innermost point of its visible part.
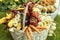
(24, 15)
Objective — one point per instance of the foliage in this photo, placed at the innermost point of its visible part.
(8, 4)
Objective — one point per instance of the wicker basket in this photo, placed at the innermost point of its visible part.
(19, 35)
(57, 5)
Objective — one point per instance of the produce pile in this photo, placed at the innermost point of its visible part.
(31, 17)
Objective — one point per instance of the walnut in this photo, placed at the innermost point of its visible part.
(47, 2)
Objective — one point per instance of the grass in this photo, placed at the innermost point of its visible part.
(57, 31)
(5, 35)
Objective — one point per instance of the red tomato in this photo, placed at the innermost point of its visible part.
(35, 14)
